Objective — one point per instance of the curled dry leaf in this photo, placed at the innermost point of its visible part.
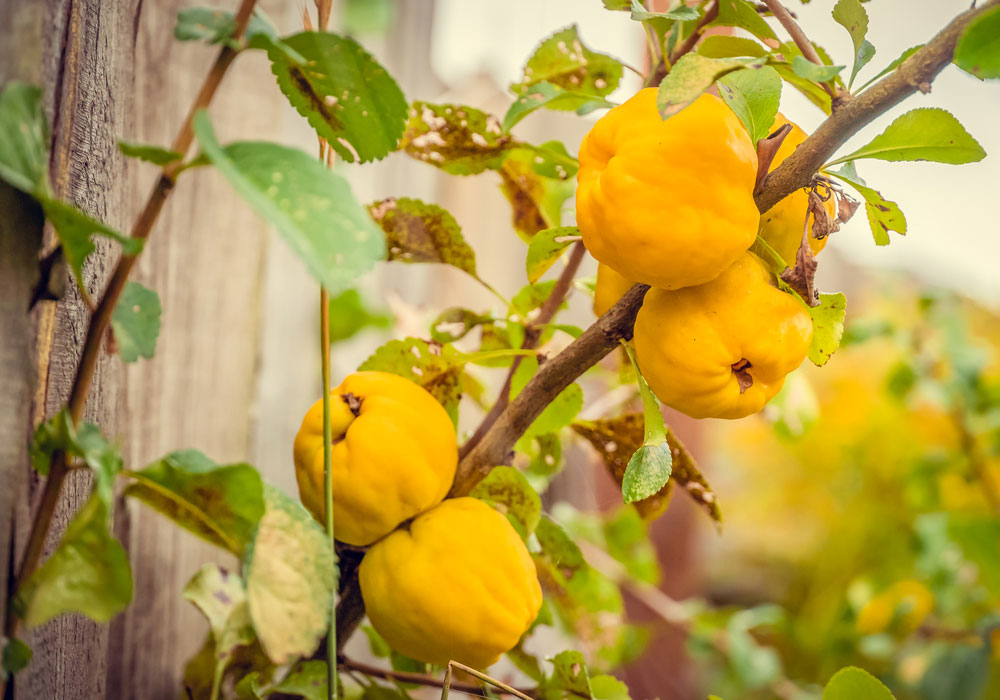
(802, 277)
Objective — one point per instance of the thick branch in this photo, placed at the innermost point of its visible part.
(795, 172)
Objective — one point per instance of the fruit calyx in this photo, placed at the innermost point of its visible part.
(743, 377)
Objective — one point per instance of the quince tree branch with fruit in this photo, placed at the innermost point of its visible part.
(706, 210)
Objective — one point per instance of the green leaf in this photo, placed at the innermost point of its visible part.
(551, 159)
(617, 4)
(717, 46)
(222, 599)
(458, 139)
(536, 202)
(151, 154)
(455, 323)
(681, 13)
(419, 232)
(828, 327)
(344, 93)
(806, 69)
(605, 687)
(977, 537)
(883, 215)
(557, 546)
(958, 672)
(507, 490)
(559, 413)
(546, 247)
(83, 441)
(24, 138)
(851, 15)
(563, 60)
(221, 504)
(742, 14)
(551, 96)
(75, 230)
(853, 683)
(307, 679)
(350, 314)
(691, 76)
(435, 367)
(978, 49)
(922, 134)
(312, 208)
(378, 646)
(810, 90)
(649, 467)
(88, 573)
(569, 674)
(290, 578)
(217, 26)
(892, 66)
(753, 95)
(15, 657)
(136, 322)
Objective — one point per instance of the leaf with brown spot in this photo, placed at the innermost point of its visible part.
(617, 439)
(536, 202)
(506, 489)
(458, 139)
(883, 214)
(564, 61)
(436, 367)
(419, 232)
(221, 504)
(345, 94)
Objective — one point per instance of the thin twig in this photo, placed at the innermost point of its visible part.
(102, 315)
(421, 679)
(711, 14)
(531, 336)
(799, 37)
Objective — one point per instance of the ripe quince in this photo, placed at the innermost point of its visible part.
(781, 225)
(609, 289)
(394, 455)
(721, 349)
(457, 584)
(668, 203)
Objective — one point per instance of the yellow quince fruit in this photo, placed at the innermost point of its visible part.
(609, 289)
(456, 584)
(668, 203)
(721, 349)
(394, 455)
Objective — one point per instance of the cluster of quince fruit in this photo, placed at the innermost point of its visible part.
(442, 579)
(670, 203)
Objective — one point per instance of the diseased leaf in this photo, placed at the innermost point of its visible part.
(88, 572)
(978, 49)
(458, 139)
(136, 322)
(617, 439)
(883, 215)
(559, 413)
(753, 95)
(718, 46)
(853, 683)
(455, 323)
(435, 367)
(828, 327)
(343, 92)
(691, 76)
(419, 232)
(536, 202)
(307, 679)
(150, 154)
(551, 159)
(564, 61)
(742, 14)
(311, 207)
(221, 504)
(546, 247)
(551, 96)
(806, 69)
(507, 490)
(290, 578)
(921, 134)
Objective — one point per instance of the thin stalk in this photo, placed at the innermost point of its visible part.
(420, 678)
(101, 317)
(799, 37)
